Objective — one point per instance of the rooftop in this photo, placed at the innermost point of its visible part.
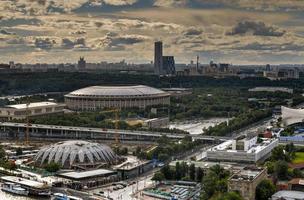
(87, 174)
(247, 174)
(289, 195)
(32, 105)
(24, 182)
(138, 90)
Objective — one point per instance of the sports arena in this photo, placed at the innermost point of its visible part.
(100, 97)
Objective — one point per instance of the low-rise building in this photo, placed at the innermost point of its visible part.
(245, 181)
(288, 194)
(271, 89)
(20, 111)
(243, 149)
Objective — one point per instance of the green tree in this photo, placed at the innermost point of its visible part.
(192, 172)
(158, 177)
(279, 153)
(168, 172)
(178, 171)
(264, 190)
(227, 196)
(52, 167)
(2, 153)
(281, 169)
(199, 174)
(19, 151)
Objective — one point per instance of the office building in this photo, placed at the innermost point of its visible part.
(168, 65)
(81, 64)
(158, 57)
(243, 149)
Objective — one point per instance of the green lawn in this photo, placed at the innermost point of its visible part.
(299, 158)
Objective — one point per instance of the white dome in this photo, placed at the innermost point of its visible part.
(77, 152)
(138, 90)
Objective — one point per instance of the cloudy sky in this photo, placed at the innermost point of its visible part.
(233, 31)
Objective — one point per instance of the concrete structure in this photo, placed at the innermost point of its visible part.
(92, 178)
(242, 150)
(271, 89)
(158, 57)
(10, 130)
(133, 167)
(291, 115)
(288, 195)
(19, 111)
(245, 181)
(157, 122)
(34, 187)
(77, 154)
(100, 97)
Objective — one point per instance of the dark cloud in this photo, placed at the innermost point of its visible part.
(67, 43)
(79, 32)
(256, 28)
(44, 43)
(193, 31)
(288, 46)
(5, 32)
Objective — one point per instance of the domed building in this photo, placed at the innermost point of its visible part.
(77, 154)
(99, 97)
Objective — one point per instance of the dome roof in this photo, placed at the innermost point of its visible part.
(76, 152)
(138, 90)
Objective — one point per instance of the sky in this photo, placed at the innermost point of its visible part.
(231, 31)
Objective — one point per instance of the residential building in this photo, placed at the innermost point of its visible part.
(246, 180)
(288, 195)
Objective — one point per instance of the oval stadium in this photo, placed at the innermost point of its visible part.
(100, 97)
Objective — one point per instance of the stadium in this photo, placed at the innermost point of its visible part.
(100, 97)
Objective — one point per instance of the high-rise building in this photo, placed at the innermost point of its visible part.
(158, 57)
(168, 65)
(81, 63)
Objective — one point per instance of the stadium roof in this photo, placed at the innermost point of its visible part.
(138, 90)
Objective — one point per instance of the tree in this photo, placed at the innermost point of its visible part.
(264, 190)
(227, 196)
(158, 177)
(278, 153)
(2, 153)
(192, 172)
(19, 151)
(199, 174)
(178, 171)
(281, 169)
(52, 167)
(168, 172)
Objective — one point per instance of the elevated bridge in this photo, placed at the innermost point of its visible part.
(41, 131)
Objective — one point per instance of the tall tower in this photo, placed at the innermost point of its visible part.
(158, 57)
(81, 63)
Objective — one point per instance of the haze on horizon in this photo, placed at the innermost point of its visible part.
(233, 31)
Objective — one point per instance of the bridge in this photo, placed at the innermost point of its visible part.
(41, 131)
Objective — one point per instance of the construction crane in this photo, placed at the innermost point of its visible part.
(27, 132)
(116, 111)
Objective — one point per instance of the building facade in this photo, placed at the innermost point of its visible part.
(158, 57)
(168, 65)
(245, 182)
(20, 111)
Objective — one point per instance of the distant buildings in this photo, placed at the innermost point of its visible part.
(20, 111)
(163, 65)
(276, 73)
(271, 89)
(246, 180)
(243, 149)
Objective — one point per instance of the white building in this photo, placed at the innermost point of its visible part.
(19, 111)
(242, 150)
(271, 89)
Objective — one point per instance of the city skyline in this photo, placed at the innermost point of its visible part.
(231, 31)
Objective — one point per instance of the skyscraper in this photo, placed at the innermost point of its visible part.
(158, 57)
(81, 63)
(168, 65)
